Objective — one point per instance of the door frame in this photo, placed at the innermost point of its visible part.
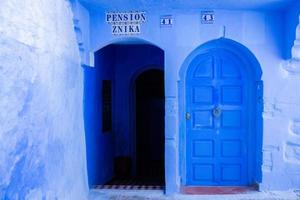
(252, 68)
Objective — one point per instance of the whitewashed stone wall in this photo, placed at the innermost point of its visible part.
(281, 166)
(42, 144)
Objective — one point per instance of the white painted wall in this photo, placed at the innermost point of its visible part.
(263, 32)
(42, 144)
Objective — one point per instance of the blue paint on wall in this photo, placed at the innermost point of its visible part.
(265, 32)
(121, 64)
(130, 61)
(100, 151)
(41, 97)
(21, 181)
(291, 19)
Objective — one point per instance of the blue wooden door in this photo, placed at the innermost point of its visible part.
(217, 95)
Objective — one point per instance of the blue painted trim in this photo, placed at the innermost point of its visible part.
(254, 71)
(240, 50)
(127, 41)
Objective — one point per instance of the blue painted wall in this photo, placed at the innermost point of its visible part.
(121, 64)
(130, 61)
(291, 21)
(262, 32)
(42, 133)
(100, 146)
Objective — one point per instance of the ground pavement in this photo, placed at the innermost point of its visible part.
(158, 195)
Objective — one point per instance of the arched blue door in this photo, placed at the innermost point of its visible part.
(218, 92)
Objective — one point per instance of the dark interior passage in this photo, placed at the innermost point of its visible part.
(149, 135)
(150, 126)
(124, 116)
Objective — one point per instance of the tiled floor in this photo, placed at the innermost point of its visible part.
(132, 184)
(130, 187)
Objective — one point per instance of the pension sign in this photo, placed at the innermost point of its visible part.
(125, 23)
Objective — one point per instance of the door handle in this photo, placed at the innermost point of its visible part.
(188, 116)
(217, 112)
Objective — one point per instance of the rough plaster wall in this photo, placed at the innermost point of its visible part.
(42, 146)
(81, 22)
(282, 117)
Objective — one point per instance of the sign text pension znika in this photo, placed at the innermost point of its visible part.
(125, 23)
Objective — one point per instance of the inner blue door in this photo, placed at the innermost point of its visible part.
(217, 120)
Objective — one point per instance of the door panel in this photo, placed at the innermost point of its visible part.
(206, 70)
(202, 119)
(216, 141)
(203, 95)
(203, 148)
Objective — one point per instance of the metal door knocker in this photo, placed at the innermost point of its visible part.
(217, 112)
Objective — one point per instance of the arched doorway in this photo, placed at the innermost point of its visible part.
(223, 116)
(150, 109)
(110, 137)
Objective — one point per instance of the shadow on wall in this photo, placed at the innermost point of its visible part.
(292, 17)
(99, 145)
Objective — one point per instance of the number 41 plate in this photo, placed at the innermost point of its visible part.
(166, 20)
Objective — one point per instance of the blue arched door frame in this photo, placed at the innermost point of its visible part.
(254, 73)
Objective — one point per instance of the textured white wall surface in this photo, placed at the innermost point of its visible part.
(42, 144)
(261, 32)
(282, 115)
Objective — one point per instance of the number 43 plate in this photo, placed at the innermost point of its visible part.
(207, 17)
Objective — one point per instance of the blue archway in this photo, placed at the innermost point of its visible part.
(252, 73)
(108, 114)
